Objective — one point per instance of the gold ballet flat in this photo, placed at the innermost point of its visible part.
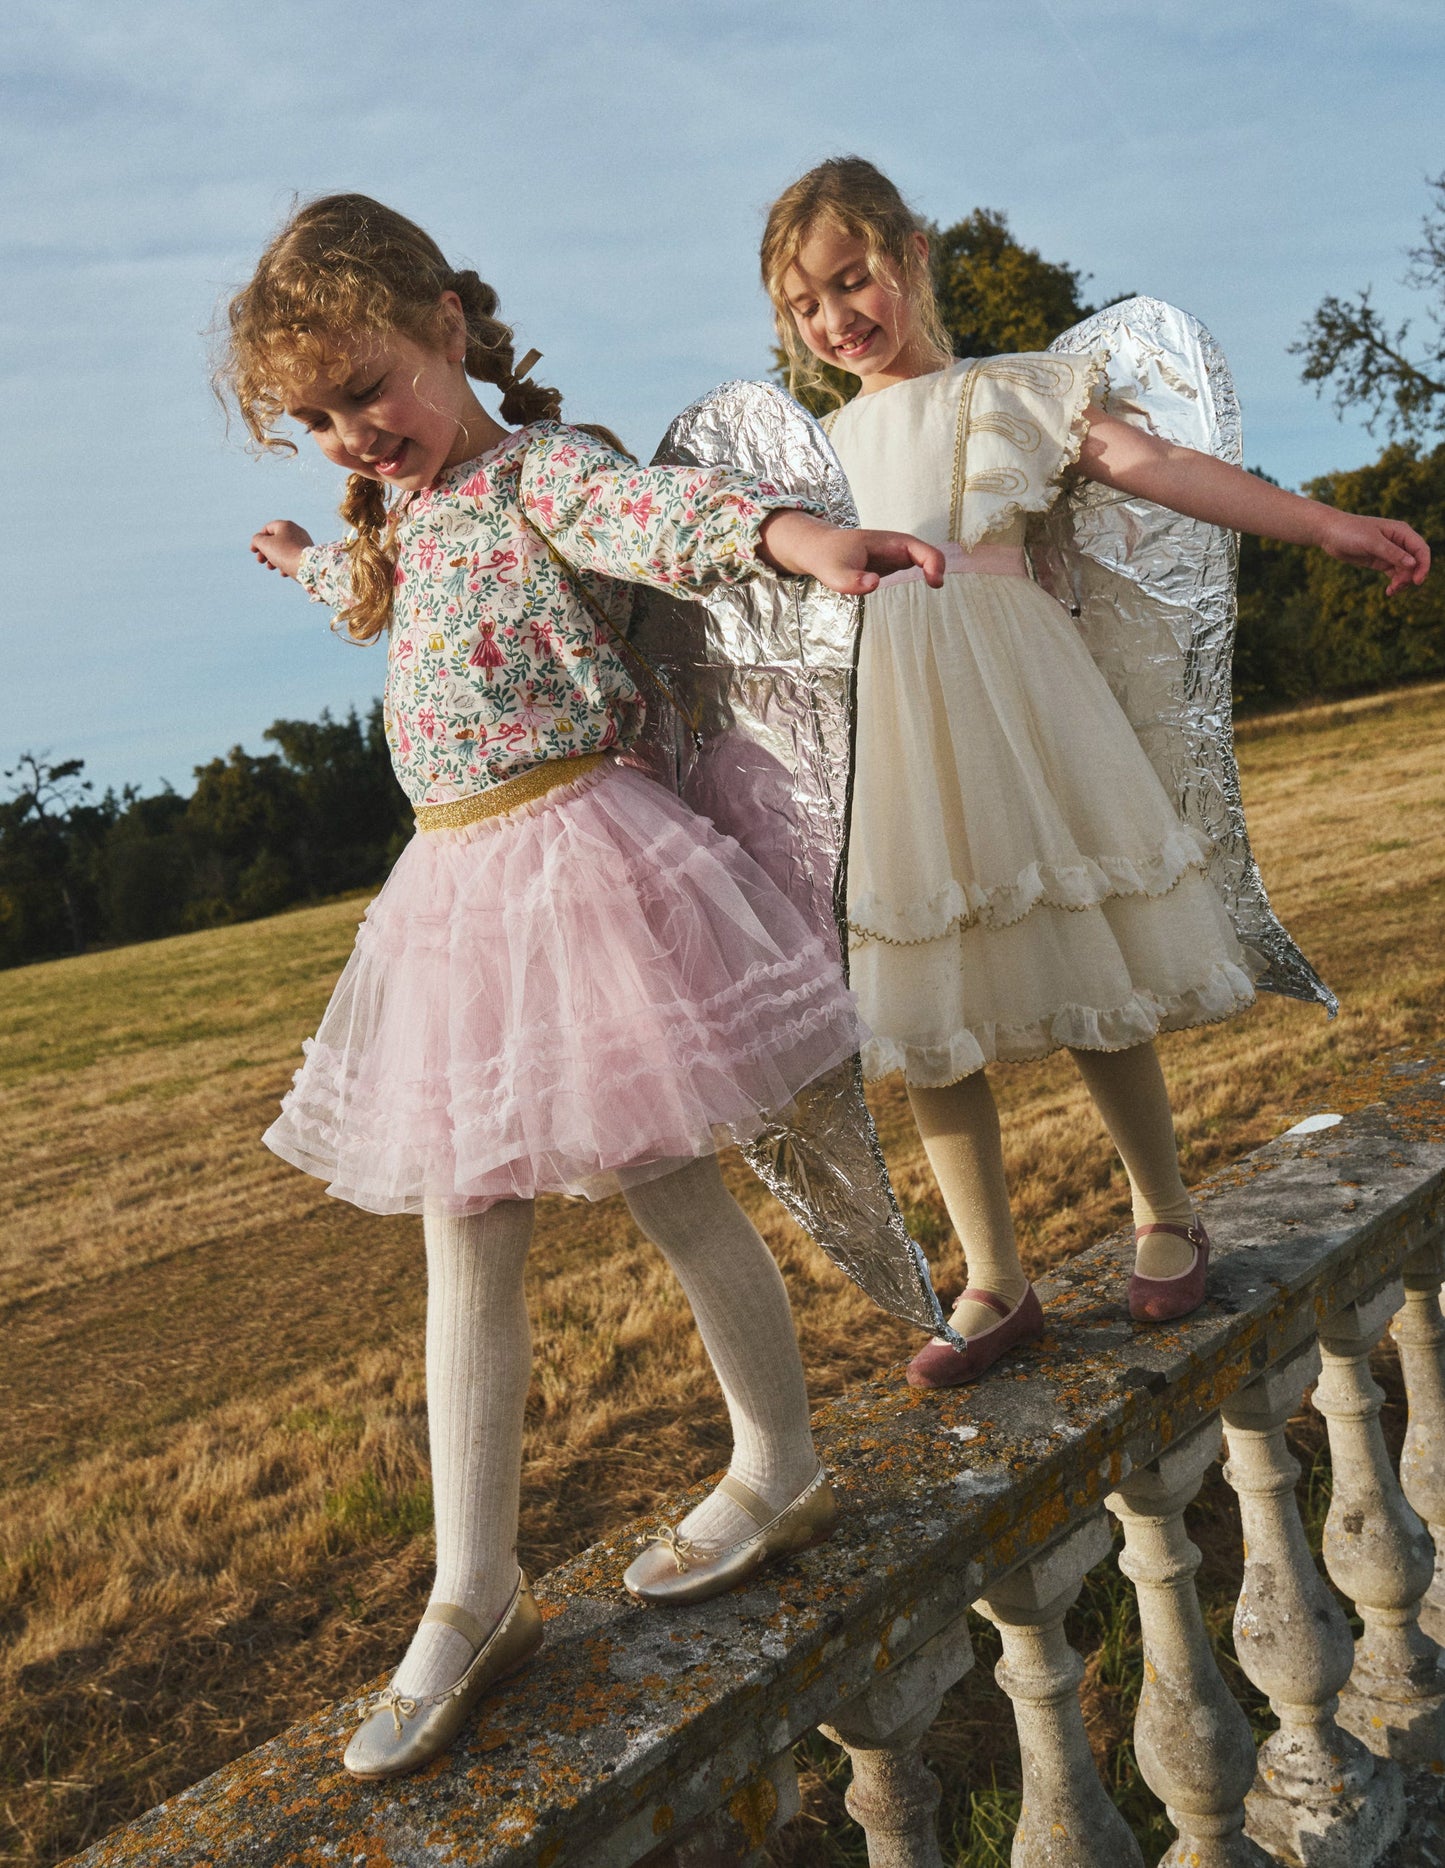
(400, 1734)
(699, 1571)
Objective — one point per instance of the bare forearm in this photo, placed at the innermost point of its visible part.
(1135, 461)
(785, 536)
(1227, 496)
(1197, 484)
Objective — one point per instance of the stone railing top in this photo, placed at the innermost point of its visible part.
(634, 1723)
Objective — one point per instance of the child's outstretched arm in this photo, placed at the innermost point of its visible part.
(1135, 461)
(848, 561)
(694, 528)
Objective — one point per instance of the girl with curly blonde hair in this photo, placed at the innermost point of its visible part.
(570, 983)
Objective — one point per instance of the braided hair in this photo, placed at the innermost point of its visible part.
(344, 267)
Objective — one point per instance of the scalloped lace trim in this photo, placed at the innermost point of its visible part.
(1225, 990)
(1083, 885)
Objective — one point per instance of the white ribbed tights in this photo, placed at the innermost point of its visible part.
(478, 1365)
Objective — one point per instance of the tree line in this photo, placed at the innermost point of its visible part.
(322, 813)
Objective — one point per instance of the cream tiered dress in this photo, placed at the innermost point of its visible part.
(1018, 878)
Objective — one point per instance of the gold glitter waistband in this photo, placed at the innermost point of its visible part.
(497, 800)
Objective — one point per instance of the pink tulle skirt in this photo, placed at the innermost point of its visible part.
(569, 998)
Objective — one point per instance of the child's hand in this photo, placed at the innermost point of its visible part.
(1387, 545)
(279, 546)
(850, 562)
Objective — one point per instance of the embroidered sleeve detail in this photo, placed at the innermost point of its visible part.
(1021, 424)
(324, 574)
(674, 528)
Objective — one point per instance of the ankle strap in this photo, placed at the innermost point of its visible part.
(455, 1616)
(990, 1300)
(758, 1509)
(1193, 1232)
(470, 1626)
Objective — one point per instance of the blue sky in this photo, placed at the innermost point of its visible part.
(608, 168)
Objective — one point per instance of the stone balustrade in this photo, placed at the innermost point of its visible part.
(666, 1737)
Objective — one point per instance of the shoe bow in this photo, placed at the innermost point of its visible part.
(681, 1548)
(399, 1706)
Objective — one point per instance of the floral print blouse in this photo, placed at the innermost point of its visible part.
(495, 663)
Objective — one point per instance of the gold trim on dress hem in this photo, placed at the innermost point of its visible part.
(969, 919)
(497, 800)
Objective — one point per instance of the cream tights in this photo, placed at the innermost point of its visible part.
(960, 1131)
(1129, 1093)
(959, 1127)
(478, 1366)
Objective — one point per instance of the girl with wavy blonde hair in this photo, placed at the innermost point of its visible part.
(1018, 879)
(850, 195)
(345, 267)
(570, 983)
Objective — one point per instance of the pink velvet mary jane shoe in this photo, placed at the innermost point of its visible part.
(941, 1366)
(1161, 1300)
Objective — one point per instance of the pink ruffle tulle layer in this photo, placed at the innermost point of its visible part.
(565, 999)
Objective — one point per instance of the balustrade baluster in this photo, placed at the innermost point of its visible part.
(1192, 1741)
(1320, 1797)
(1377, 1551)
(1419, 1332)
(1067, 1816)
(894, 1796)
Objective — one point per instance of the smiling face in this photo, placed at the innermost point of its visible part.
(852, 310)
(402, 413)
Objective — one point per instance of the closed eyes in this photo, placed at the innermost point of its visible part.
(315, 424)
(810, 309)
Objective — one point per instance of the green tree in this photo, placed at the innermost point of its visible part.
(1347, 344)
(1309, 625)
(355, 816)
(1358, 637)
(49, 831)
(321, 815)
(243, 808)
(148, 867)
(997, 295)
(1271, 652)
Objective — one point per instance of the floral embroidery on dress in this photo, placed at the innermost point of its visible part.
(495, 663)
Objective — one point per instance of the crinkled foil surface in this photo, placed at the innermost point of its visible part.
(761, 741)
(1154, 594)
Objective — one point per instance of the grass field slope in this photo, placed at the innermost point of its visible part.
(212, 1440)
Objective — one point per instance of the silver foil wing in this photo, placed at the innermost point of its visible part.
(759, 738)
(1154, 596)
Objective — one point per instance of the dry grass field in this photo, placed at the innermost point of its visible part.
(215, 1498)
